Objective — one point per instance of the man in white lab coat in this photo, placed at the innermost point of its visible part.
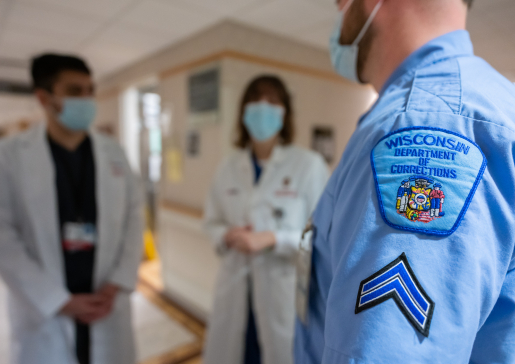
(70, 228)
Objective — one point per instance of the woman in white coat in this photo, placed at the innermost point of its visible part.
(259, 203)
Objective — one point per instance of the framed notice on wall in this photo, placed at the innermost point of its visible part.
(322, 141)
(193, 143)
(204, 96)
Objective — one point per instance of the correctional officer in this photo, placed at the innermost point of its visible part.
(433, 289)
(70, 228)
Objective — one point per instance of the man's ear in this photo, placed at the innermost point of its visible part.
(43, 97)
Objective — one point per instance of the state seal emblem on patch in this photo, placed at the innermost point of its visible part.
(420, 198)
(425, 178)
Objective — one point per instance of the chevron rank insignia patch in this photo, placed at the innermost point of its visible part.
(397, 281)
(426, 178)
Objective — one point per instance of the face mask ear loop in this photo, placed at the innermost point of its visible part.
(346, 7)
(339, 24)
(368, 23)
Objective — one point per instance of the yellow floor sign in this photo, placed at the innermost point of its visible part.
(149, 245)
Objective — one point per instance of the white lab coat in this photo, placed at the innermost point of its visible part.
(292, 182)
(31, 261)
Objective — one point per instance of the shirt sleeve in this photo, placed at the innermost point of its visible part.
(495, 341)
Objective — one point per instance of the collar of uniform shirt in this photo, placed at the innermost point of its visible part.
(453, 44)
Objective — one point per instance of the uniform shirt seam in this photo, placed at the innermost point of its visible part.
(342, 353)
(461, 87)
(466, 117)
(490, 122)
(414, 73)
(408, 104)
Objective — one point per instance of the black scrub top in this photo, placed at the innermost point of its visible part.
(76, 201)
(76, 197)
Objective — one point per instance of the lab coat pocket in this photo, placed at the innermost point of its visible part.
(234, 207)
(288, 213)
(113, 201)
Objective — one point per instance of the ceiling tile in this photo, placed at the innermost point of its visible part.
(121, 45)
(95, 9)
(286, 16)
(14, 74)
(326, 4)
(115, 33)
(50, 22)
(491, 27)
(219, 7)
(25, 44)
(319, 34)
(480, 6)
(168, 19)
(503, 18)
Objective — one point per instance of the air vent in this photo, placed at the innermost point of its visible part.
(14, 87)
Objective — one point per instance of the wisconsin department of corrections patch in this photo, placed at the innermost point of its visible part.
(425, 178)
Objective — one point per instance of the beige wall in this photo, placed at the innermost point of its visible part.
(108, 115)
(14, 108)
(197, 171)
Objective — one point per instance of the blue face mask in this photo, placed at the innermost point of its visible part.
(345, 57)
(263, 120)
(78, 113)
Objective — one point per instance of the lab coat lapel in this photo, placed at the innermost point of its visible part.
(39, 190)
(109, 195)
(246, 170)
(271, 167)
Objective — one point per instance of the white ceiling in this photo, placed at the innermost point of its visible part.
(112, 34)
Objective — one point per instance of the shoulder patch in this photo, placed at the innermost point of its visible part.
(425, 178)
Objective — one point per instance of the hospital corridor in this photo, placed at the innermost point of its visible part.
(257, 181)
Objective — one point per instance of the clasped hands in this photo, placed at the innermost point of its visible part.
(246, 240)
(90, 307)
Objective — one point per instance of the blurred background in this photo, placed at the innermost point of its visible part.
(169, 76)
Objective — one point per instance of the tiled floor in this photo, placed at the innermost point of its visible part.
(4, 326)
(197, 360)
(164, 334)
(156, 333)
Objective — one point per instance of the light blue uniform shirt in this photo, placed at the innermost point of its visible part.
(462, 278)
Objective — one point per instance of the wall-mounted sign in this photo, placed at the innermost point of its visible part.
(204, 96)
(174, 165)
(322, 141)
(193, 143)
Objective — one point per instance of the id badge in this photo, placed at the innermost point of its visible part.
(79, 237)
(304, 273)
